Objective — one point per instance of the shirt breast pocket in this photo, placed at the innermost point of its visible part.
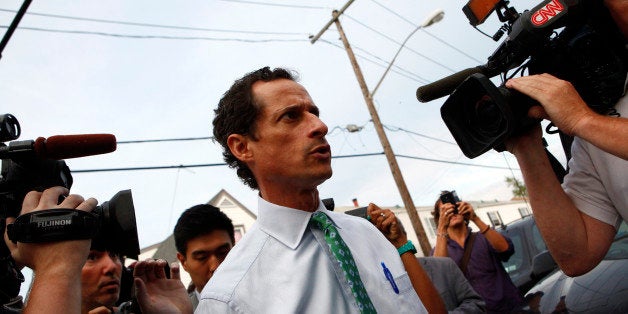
(401, 282)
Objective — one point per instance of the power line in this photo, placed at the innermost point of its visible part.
(167, 140)
(333, 157)
(279, 4)
(398, 43)
(427, 32)
(416, 78)
(156, 36)
(455, 162)
(417, 134)
(153, 25)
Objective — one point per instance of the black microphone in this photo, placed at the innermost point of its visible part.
(446, 85)
(60, 146)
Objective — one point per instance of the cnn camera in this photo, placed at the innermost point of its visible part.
(574, 40)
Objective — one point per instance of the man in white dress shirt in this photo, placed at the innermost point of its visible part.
(271, 134)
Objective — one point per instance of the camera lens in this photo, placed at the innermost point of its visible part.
(486, 117)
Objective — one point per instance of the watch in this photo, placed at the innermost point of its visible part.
(408, 247)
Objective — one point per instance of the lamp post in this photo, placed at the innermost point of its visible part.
(434, 17)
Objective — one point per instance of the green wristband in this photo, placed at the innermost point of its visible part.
(407, 247)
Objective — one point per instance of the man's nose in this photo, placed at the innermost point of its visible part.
(319, 128)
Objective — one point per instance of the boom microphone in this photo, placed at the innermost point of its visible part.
(446, 85)
(61, 146)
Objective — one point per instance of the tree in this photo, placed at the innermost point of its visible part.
(518, 188)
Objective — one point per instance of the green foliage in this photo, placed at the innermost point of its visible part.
(518, 188)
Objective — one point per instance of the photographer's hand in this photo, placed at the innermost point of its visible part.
(562, 104)
(495, 239)
(57, 265)
(386, 221)
(155, 292)
(560, 101)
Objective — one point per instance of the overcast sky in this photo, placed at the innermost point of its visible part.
(88, 66)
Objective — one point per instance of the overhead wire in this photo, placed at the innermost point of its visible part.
(153, 25)
(427, 32)
(279, 4)
(399, 43)
(224, 164)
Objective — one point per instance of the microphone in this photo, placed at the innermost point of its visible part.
(61, 146)
(446, 85)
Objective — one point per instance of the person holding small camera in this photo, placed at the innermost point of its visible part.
(56, 286)
(579, 218)
(478, 254)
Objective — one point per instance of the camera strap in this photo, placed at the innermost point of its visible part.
(52, 225)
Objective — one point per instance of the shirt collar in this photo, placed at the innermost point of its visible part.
(285, 224)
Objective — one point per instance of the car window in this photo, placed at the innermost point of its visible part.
(537, 239)
(516, 260)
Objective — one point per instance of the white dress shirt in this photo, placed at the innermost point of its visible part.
(283, 266)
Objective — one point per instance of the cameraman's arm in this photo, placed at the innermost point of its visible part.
(57, 265)
(564, 107)
(619, 12)
(577, 241)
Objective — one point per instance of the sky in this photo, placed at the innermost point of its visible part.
(149, 70)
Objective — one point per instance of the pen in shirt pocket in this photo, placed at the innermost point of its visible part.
(390, 278)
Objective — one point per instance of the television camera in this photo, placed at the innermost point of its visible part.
(574, 40)
(36, 165)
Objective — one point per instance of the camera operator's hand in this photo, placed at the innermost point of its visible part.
(560, 101)
(57, 265)
(562, 104)
(530, 141)
(155, 292)
(50, 256)
(386, 221)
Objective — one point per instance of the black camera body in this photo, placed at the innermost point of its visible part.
(574, 40)
(450, 197)
(25, 168)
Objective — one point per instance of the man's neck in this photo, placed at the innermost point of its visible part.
(306, 200)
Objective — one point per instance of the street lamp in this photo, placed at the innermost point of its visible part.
(434, 17)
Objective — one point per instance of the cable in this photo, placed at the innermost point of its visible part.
(418, 79)
(224, 164)
(152, 25)
(418, 134)
(167, 140)
(427, 32)
(279, 5)
(158, 36)
(398, 43)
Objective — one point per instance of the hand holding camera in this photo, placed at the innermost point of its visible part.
(43, 256)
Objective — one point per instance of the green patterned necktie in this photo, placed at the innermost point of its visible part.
(345, 259)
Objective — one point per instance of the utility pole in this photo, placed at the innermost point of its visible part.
(390, 156)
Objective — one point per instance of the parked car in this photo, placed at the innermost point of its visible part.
(602, 290)
(531, 260)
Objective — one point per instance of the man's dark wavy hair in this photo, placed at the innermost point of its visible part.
(237, 113)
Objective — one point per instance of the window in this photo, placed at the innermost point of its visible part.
(495, 218)
(432, 226)
(524, 212)
(238, 232)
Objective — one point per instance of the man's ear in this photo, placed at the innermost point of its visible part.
(239, 146)
(182, 260)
